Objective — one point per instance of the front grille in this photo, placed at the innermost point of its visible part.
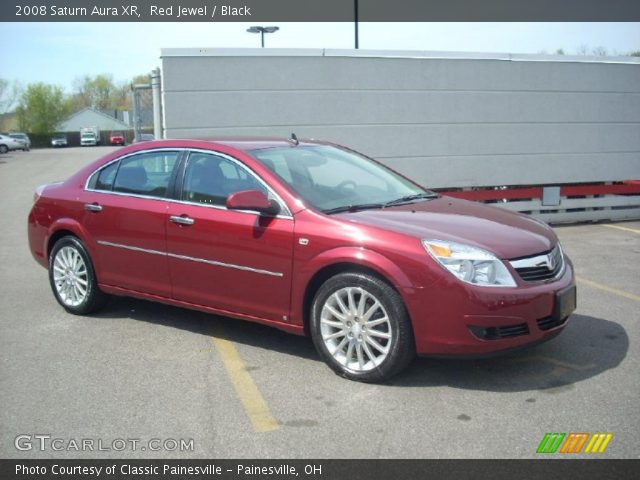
(540, 267)
(496, 333)
(548, 323)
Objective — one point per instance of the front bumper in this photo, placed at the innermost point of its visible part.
(460, 319)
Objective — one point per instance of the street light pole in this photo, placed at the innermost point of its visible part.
(262, 31)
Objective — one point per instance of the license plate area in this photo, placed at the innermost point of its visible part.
(566, 302)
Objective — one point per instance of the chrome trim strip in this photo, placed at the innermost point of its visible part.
(227, 265)
(285, 215)
(150, 150)
(129, 247)
(543, 260)
(192, 259)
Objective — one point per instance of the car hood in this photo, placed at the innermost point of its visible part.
(504, 233)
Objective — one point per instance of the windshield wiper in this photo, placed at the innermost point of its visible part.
(354, 208)
(411, 198)
(370, 206)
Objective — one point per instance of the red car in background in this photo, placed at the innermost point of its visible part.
(308, 237)
(116, 138)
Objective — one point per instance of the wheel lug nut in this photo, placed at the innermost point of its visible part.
(348, 324)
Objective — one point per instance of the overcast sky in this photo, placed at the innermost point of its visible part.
(60, 52)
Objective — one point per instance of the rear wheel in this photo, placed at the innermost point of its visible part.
(4, 149)
(361, 328)
(73, 278)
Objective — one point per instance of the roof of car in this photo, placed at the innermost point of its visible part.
(256, 143)
(243, 144)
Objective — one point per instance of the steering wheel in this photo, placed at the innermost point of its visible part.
(347, 183)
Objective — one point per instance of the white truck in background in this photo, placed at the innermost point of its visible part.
(89, 136)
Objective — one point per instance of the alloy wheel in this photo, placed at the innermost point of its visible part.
(70, 276)
(355, 329)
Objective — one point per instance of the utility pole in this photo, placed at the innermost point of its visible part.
(157, 103)
(355, 11)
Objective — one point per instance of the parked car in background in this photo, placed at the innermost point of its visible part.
(89, 136)
(24, 138)
(144, 137)
(116, 138)
(8, 144)
(59, 140)
(308, 237)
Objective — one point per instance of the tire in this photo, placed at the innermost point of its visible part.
(343, 330)
(72, 277)
(4, 149)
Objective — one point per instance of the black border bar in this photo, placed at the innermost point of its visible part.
(322, 11)
(325, 469)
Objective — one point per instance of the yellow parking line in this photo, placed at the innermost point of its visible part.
(615, 291)
(254, 405)
(626, 229)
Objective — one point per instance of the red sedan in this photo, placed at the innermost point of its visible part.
(116, 138)
(308, 237)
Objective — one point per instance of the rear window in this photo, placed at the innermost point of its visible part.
(103, 179)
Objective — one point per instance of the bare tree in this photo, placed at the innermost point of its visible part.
(582, 50)
(599, 52)
(96, 92)
(9, 93)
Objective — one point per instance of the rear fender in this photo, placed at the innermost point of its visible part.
(73, 226)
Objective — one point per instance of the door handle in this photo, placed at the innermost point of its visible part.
(93, 207)
(182, 220)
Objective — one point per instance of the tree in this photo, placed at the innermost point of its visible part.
(41, 108)
(96, 92)
(635, 54)
(599, 52)
(9, 93)
(560, 51)
(100, 92)
(582, 50)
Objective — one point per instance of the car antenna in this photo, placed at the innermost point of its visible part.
(294, 139)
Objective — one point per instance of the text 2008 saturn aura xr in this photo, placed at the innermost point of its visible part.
(308, 237)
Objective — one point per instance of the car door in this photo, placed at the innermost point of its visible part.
(237, 261)
(125, 215)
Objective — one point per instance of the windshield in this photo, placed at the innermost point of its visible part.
(331, 179)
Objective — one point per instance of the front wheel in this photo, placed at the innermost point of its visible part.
(360, 327)
(73, 278)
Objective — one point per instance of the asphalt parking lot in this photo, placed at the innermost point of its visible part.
(140, 370)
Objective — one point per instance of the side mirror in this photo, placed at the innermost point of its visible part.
(253, 200)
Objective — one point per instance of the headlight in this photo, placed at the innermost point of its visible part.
(470, 264)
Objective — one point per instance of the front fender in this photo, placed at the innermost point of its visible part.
(359, 256)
